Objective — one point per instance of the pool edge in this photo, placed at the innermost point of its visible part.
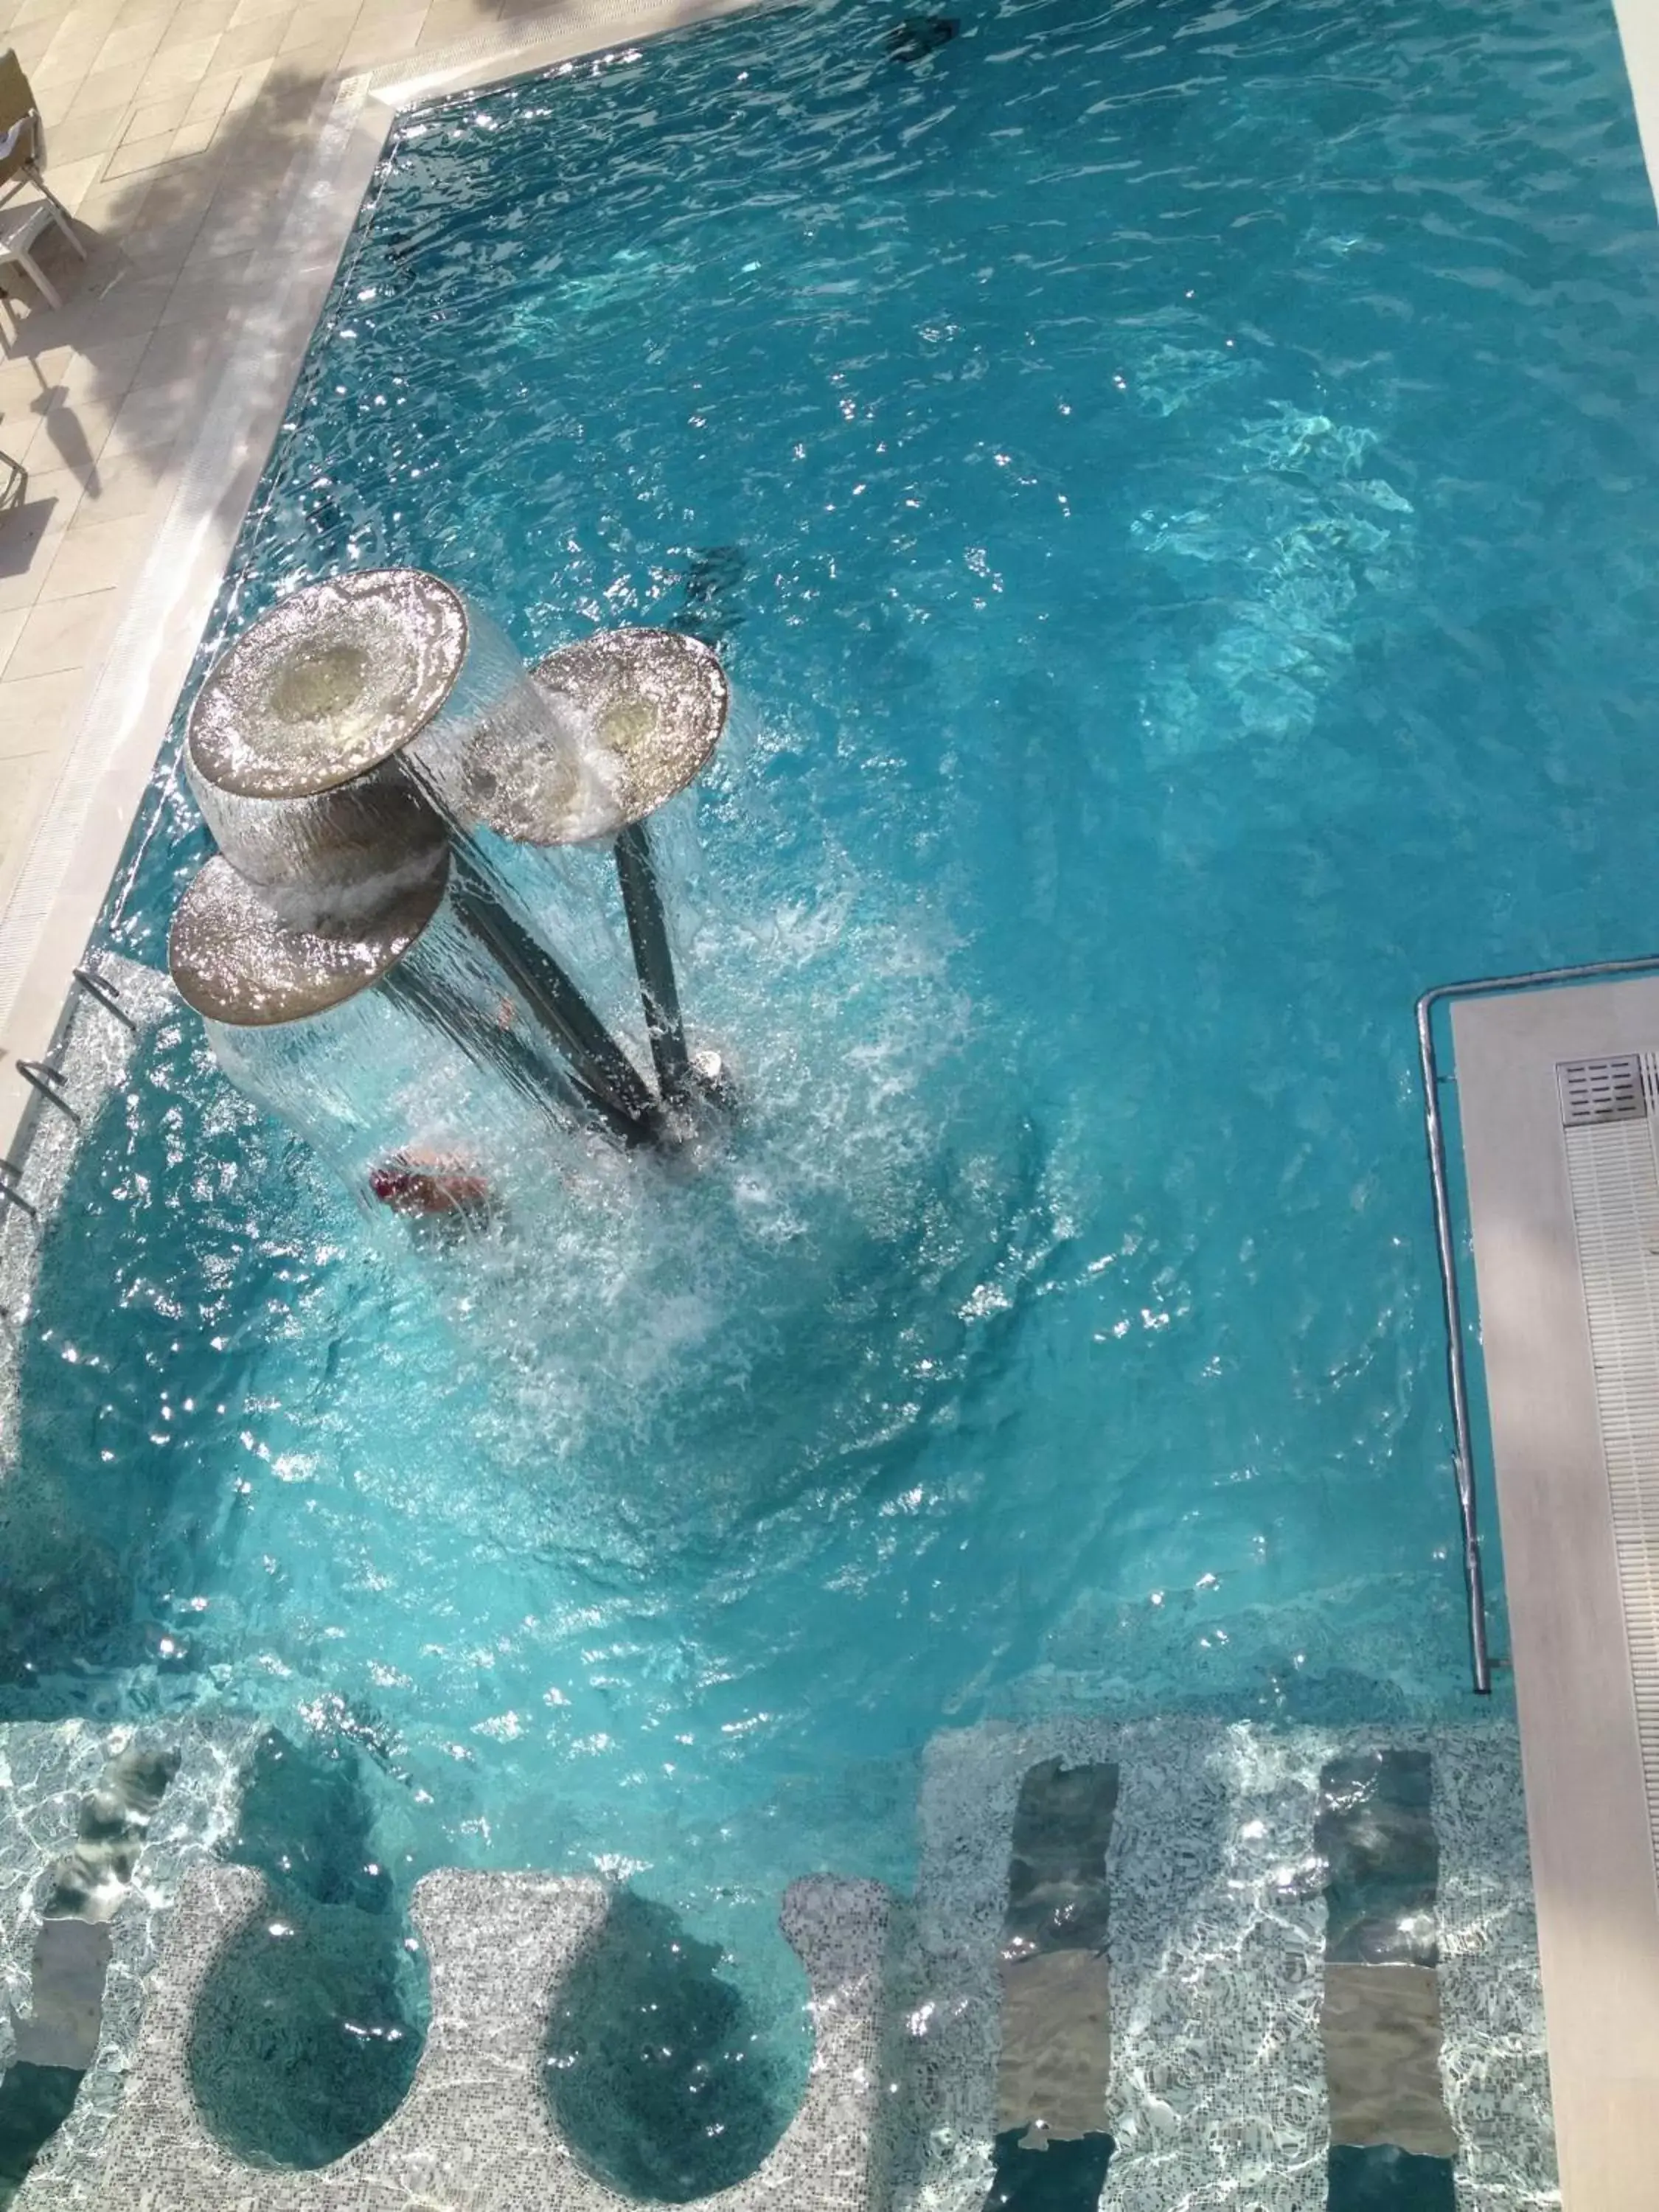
(1592, 1849)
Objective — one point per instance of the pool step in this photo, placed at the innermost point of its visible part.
(475, 2133)
(1318, 1989)
(92, 1852)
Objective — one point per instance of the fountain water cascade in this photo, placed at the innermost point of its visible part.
(373, 758)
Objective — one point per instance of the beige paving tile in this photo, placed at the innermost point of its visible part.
(71, 180)
(27, 779)
(56, 100)
(157, 248)
(178, 351)
(97, 559)
(91, 21)
(129, 47)
(251, 81)
(94, 132)
(89, 15)
(63, 633)
(155, 116)
(194, 21)
(385, 38)
(448, 22)
(124, 303)
(176, 68)
(151, 413)
(104, 88)
(111, 210)
(30, 542)
(254, 42)
(192, 138)
(21, 383)
(69, 54)
(65, 488)
(70, 435)
(59, 73)
(211, 293)
(137, 153)
(125, 485)
(106, 365)
(81, 32)
(184, 188)
(210, 99)
(374, 12)
(314, 22)
(10, 625)
(296, 78)
(177, 121)
(35, 711)
(235, 225)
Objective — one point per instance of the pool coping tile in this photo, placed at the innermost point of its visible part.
(1592, 1849)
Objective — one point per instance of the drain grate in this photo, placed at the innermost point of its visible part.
(1597, 1090)
(1613, 1173)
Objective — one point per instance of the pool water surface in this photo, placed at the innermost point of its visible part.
(1164, 481)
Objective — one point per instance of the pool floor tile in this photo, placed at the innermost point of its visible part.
(1381, 2029)
(1375, 1832)
(1057, 2043)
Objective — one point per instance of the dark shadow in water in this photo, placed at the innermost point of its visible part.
(659, 2074)
(310, 2025)
(161, 1275)
(1377, 2178)
(1059, 2177)
(34, 2103)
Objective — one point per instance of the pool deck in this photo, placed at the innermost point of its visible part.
(1564, 1211)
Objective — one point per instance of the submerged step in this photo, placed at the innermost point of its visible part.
(476, 2131)
(1318, 1981)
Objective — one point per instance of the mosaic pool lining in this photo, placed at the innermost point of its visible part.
(1233, 1867)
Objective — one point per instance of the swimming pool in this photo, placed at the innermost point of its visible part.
(1164, 485)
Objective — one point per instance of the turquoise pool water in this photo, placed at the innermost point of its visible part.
(1169, 483)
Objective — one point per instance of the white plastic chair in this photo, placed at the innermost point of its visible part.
(22, 158)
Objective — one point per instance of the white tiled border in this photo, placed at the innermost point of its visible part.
(1587, 1814)
(66, 872)
(1638, 34)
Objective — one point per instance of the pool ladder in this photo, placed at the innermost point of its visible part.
(46, 1077)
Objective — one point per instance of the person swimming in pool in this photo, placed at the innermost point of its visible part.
(425, 1185)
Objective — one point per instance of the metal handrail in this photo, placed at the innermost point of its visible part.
(11, 1178)
(1434, 1130)
(99, 987)
(48, 1081)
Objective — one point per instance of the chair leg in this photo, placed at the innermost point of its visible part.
(65, 222)
(31, 268)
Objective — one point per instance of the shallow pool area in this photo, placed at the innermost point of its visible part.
(1166, 487)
